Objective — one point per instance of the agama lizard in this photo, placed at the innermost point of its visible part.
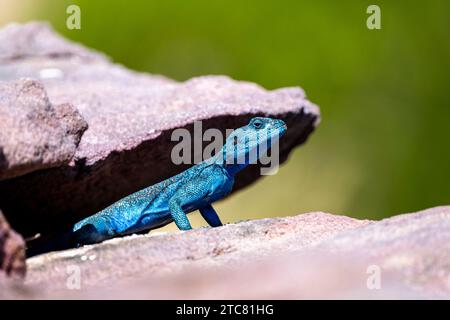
(194, 189)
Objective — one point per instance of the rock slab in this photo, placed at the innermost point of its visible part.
(314, 255)
(130, 118)
(12, 251)
(34, 134)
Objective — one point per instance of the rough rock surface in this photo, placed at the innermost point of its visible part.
(19, 42)
(130, 116)
(12, 251)
(314, 255)
(34, 134)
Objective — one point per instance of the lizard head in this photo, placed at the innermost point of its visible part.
(247, 144)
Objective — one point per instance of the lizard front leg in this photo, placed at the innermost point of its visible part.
(178, 215)
(195, 193)
(210, 215)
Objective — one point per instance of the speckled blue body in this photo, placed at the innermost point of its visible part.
(194, 189)
(149, 208)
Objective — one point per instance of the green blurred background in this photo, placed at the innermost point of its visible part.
(382, 147)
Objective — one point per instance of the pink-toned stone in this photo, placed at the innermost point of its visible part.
(12, 251)
(23, 41)
(34, 134)
(313, 255)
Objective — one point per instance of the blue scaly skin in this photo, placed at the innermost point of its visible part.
(194, 189)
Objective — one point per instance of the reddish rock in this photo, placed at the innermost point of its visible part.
(12, 251)
(130, 116)
(313, 255)
(34, 134)
(35, 39)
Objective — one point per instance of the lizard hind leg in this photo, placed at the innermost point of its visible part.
(210, 215)
(88, 234)
(178, 215)
(198, 192)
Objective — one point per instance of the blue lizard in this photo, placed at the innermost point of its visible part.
(194, 189)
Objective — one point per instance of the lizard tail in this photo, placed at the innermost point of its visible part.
(63, 240)
(54, 242)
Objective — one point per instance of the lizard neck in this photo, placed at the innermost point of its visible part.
(230, 168)
(233, 169)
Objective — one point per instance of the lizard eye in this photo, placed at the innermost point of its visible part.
(257, 124)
